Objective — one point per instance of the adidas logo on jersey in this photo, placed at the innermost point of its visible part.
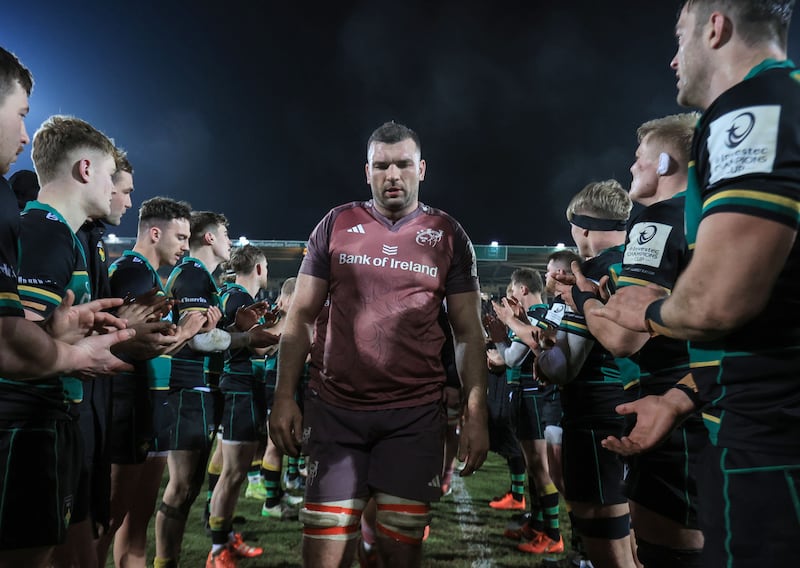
(435, 482)
(357, 229)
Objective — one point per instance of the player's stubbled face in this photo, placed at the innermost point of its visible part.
(394, 172)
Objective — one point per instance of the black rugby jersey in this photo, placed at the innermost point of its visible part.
(239, 361)
(656, 252)
(746, 159)
(9, 244)
(193, 288)
(130, 276)
(598, 387)
(51, 261)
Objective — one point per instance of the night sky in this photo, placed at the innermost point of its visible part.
(261, 110)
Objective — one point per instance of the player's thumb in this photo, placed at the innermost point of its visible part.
(625, 409)
(68, 299)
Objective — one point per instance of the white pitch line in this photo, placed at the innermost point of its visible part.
(471, 530)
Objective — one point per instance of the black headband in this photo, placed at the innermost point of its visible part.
(595, 224)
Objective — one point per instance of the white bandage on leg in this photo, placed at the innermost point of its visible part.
(333, 520)
(401, 519)
(553, 434)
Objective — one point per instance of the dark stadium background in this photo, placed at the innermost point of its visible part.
(261, 109)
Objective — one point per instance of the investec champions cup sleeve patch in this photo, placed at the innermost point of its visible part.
(743, 142)
(647, 243)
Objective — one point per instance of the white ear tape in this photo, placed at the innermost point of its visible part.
(663, 164)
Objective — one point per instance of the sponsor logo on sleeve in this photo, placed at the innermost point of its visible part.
(646, 245)
(743, 142)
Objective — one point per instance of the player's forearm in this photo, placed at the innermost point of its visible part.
(471, 365)
(239, 339)
(515, 354)
(28, 352)
(520, 328)
(714, 296)
(620, 341)
(681, 316)
(292, 352)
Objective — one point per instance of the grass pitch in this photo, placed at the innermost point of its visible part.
(465, 532)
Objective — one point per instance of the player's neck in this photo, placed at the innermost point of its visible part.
(735, 66)
(531, 300)
(668, 187)
(149, 253)
(606, 239)
(68, 205)
(207, 257)
(249, 283)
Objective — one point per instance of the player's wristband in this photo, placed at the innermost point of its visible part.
(580, 298)
(687, 386)
(652, 318)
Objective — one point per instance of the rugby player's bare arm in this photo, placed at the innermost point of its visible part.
(464, 313)
(285, 421)
(620, 341)
(715, 294)
(29, 352)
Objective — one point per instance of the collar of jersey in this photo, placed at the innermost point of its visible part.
(143, 259)
(33, 205)
(768, 64)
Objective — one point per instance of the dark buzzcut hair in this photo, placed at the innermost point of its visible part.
(244, 259)
(11, 71)
(158, 209)
(530, 278)
(756, 21)
(201, 221)
(566, 256)
(391, 133)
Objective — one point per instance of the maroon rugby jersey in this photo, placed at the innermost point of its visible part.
(382, 343)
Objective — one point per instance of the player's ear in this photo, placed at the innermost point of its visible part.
(718, 30)
(366, 171)
(155, 234)
(82, 169)
(422, 168)
(208, 238)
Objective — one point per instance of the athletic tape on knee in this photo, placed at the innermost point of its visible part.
(401, 519)
(553, 434)
(177, 513)
(609, 528)
(658, 556)
(334, 520)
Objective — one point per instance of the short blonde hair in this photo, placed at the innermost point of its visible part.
(675, 131)
(601, 199)
(58, 136)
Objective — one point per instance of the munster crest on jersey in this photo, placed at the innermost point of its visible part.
(429, 237)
